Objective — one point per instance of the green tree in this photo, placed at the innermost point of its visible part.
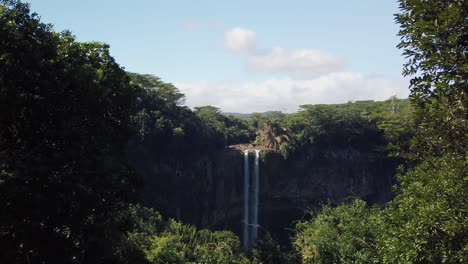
(179, 243)
(154, 240)
(64, 113)
(427, 221)
(271, 252)
(272, 136)
(345, 234)
(159, 114)
(398, 126)
(434, 38)
(228, 129)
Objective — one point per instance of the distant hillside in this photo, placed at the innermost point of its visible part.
(248, 116)
(273, 113)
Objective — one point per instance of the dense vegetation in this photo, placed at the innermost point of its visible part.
(428, 219)
(68, 112)
(63, 107)
(76, 131)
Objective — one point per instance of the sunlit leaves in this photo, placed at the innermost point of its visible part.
(434, 39)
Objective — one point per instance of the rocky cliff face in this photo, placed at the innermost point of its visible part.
(208, 191)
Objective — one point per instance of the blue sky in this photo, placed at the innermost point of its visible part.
(248, 55)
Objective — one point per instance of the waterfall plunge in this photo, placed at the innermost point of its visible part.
(255, 198)
(250, 235)
(245, 220)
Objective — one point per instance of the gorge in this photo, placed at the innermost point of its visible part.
(262, 173)
(278, 193)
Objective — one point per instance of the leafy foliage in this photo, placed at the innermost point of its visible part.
(229, 129)
(364, 125)
(272, 136)
(173, 242)
(63, 107)
(270, 251)
(427, 221)
(434, 38)
(184, 244)
(163, 124)
(70, 117)
(345, 234)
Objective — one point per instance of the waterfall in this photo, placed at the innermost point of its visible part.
(250, 215)
(255, 198)
(245, 220)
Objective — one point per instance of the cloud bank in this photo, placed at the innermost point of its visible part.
(302, 62)
(288, 94)
(307, 76)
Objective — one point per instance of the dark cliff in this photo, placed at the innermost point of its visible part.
(208, 191)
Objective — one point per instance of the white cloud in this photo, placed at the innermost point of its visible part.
(240, 40)
(310, 77)
(300, 63)
(287, 94)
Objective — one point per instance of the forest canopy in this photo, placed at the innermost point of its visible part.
(76, 130)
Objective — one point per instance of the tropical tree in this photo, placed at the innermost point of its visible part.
(64, 113)
(272, 136)
(228, 129)
(426, 222)
(434, 38)
(344, 234)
